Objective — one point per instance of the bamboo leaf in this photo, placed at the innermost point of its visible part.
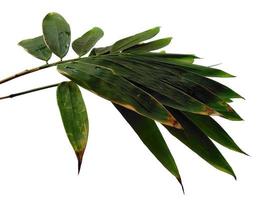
(188, 86)
(83, 44)
(100, 50)
(213, 130)
(197, 141)
(37, 48)
(198, 69)
(74, 117)
(57, 34)
(149, 79)
(150, 46)
(219, 89)
(151, 136)
(105, 83)
(131, 41)
(173, 57)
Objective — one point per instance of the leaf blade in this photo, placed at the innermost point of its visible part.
(198, 142)
(213, 130)
(133, 40)
(74, 117)
(150, 46)
(87, 41)
(37, 48)
(105, 83)
(57, 34)
(148, 132)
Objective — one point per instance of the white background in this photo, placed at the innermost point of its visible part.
(36, 160)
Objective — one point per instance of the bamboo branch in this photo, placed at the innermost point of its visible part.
(29, 91)
(28, 71)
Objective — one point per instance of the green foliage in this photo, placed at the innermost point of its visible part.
(56, 34)
(87, 41)
(74, 117)
(145, 87)
(37, 48)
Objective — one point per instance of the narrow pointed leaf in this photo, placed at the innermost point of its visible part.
(37, 48)
(150, 46)
(105, 83)
(74, 116)
(100, 51)
(151, 136)
(176, 79)
(188, 86)
(131, 41)
(172, 57)
(57, 34)
(197, 141)
(198, 69)
(219, 89)
(87, 41)
(149, 79)
(213, 130)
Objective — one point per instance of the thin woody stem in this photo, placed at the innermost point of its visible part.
(28, 71)
(29, 91)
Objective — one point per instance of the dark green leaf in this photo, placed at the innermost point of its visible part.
(172, 57)
(197, 141)
(149, 79)
(150, 46)
(87, 41)
(74, 117)
(37, 48)
(151, 136)
(213, 130)
(56, 34)
(176, 79)
(219, 89)
(188, 86)
(105, 83)
(198, 69)
(131, 41)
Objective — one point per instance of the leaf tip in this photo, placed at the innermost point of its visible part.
(181, 183)
(79, 155)
(174, 123)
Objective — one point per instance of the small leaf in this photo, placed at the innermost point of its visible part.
(151, 136)
(74, 116)
(197, 141)
(150, 46)
(56, 34)
(131, 41)
(87, 41)
(37, 48)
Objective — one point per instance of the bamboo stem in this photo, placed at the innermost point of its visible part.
(28, 71)
(29, 91)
